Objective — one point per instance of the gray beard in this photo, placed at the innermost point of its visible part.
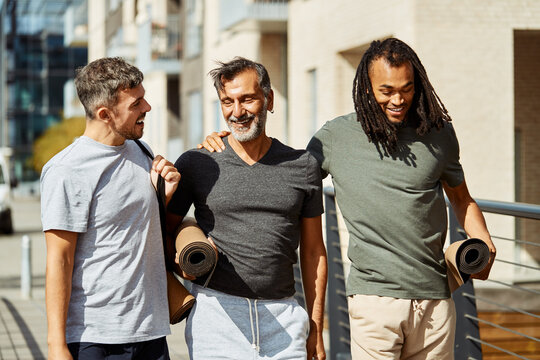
(256, 129)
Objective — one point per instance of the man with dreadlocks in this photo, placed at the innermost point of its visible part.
(390, 161)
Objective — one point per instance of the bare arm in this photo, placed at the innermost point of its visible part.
(60, 257)
(313, 262)
(471, 219)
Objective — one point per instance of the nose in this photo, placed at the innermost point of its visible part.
(397, 99)
(238, 109)
(147, 107)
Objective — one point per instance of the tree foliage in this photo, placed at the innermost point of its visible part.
(56, 138)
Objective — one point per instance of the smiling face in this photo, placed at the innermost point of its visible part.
(127, 116)
(393, 88)
(244, 106)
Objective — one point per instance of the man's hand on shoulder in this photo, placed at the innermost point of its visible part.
(163, 167)
(213, 142)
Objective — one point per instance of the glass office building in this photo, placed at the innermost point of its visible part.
(38, 65)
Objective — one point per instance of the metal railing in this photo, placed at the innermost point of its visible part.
(468, 343)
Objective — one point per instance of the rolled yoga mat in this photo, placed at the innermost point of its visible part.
(464, 258)
(197, 256)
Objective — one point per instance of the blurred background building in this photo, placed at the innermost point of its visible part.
(36, 64)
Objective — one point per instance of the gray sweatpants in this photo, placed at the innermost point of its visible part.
(222, 326)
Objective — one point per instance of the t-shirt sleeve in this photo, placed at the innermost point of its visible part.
(182, 198)
(320, 147)
(453, 172)
(65, 200)
(313, 203)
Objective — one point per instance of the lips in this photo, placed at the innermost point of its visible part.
(396, 110)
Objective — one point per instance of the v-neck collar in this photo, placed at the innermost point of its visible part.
(229, 149)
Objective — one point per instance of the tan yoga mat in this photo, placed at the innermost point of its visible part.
(197, 256)
(180, 300)
(464, 258)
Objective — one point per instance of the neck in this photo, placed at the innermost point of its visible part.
(102, 133)
(251, 151)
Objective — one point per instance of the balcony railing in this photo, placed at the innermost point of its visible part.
(266, 16)
(167, 39)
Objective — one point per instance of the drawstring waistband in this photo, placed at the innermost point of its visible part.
(254, 344)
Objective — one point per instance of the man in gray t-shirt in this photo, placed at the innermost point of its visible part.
(106, 285)
(259, 201)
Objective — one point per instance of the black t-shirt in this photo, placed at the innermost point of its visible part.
(253, 214)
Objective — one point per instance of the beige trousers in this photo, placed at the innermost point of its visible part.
(389, 328)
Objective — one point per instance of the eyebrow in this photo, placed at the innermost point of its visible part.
(252, 95)
(391, 87)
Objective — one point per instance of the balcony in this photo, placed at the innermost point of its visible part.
(159, 46)
(268, 16)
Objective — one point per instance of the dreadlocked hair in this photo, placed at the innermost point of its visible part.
(427, 110)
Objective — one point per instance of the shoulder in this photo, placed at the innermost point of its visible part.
(299, 156)
(195, 159)
(446, 134)
(68, 157)
(341, 125)
(343, 121)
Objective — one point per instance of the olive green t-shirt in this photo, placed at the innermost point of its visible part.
(393, 206)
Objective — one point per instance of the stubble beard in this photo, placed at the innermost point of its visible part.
(131, 134)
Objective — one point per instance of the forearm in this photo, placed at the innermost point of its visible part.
(473, 222)
(60, 259)
(314, 276)
(58, 293)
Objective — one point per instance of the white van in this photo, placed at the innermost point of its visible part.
(6, 223)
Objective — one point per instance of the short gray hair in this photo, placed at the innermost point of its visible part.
(99, 82)
(228, 71)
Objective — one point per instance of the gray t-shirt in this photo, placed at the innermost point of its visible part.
(253, 214)
(104, 193)
(393, 206)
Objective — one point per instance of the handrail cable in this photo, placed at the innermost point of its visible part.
(518, 265)
(502, 327)
(515, 240)
(500, 305)
(517, 287)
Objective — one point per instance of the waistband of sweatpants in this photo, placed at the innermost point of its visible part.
(197, 289)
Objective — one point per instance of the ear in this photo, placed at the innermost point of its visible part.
(103, 114)
(270, 105)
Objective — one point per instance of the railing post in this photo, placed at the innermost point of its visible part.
(463, 347)
(338, 315)
(26, 267)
